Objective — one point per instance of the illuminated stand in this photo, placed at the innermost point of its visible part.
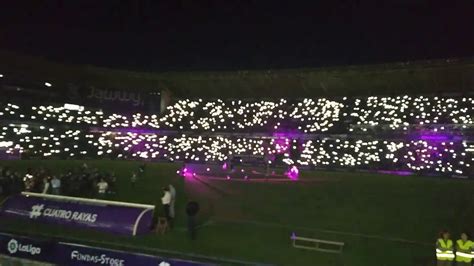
(408, 135)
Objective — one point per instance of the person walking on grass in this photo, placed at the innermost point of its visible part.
(166, 201)
(464, 250)
(444, 250)
(173, 200)
(133, 179)
(192, 209)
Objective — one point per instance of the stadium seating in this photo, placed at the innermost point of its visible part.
(430, 135)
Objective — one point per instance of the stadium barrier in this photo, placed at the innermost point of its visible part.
(63, 253)
(109, 216)
(317, 244)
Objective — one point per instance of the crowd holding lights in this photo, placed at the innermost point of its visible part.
(444, 157)
(404, 111)
(340, 115)
(316, 116)
(178, 148)
(322, 133)
(222, 115)
(44, 142)
(214, 116)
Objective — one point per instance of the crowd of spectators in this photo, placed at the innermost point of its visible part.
(83, 181)
(340, 115)
(10, 182)
(443, 155)
(422, 134)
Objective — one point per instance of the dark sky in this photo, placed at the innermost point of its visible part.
(226, 34)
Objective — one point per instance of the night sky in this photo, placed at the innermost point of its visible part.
(226, 34)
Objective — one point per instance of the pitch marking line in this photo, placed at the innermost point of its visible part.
(379, 237)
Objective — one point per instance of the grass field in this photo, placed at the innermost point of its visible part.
(383, 219)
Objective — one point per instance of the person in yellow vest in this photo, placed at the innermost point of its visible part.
(464, 248)
(444, 250)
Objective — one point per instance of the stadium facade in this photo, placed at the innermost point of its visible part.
(413, 78)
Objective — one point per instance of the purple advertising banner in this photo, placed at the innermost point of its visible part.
(112, 218)
(61, 253)
(72, 254)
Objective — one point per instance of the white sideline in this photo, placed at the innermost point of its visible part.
(94, 201)
(318, 240)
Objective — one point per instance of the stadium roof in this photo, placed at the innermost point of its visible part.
(427, 77)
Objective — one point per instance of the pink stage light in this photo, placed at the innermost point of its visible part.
(293, 173)
(185, 172)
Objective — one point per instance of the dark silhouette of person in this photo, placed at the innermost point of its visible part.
(192, 208)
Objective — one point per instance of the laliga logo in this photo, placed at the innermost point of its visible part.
(36, 211)
(13, 247)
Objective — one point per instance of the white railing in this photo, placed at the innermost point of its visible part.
(92, 201)
(315, 244)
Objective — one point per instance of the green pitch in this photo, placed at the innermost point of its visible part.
(383, 219)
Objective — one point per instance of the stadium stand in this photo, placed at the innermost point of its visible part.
(429, 135)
